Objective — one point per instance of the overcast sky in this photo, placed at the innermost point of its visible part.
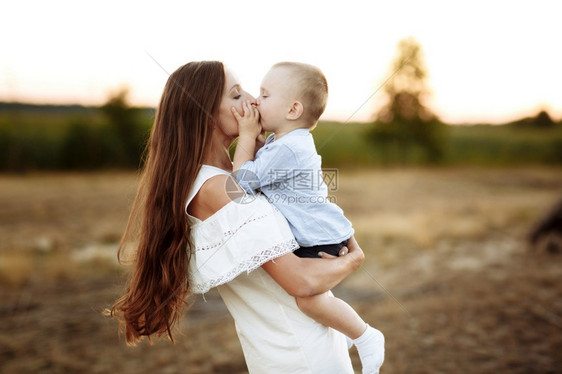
(487, 60)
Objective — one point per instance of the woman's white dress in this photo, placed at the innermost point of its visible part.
(229, 249)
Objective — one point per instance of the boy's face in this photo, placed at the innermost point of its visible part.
(277, 93)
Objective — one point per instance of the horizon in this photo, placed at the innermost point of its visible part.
(486, 62)
(144, 107)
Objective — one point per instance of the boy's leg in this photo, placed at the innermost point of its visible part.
(337, 314)
(333, 312)
(370, 346)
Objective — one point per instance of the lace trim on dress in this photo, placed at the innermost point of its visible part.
(247, 265)
(230, 233)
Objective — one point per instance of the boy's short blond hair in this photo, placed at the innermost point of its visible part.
(312, 89)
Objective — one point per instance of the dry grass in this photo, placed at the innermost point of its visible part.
(16, 268)
(448, 245)
(49, 212)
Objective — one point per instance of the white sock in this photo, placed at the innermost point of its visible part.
(370, 347)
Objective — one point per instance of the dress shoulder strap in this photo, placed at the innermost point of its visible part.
(205, 173)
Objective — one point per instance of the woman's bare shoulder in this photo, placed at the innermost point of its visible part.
(212, 196)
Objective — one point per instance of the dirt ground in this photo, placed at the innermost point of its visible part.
(448, 278)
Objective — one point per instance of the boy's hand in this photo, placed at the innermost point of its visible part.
(249, 128)
(260, 140)
(248, 124)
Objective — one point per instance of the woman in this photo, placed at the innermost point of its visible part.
(190, 236)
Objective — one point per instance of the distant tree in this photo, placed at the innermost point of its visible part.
(404, 121)
(540, 121)
(543, 120)
(124, 121)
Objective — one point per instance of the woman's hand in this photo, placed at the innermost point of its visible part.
(308, 276)
(352, 250)
(343, 251)
(248, 124)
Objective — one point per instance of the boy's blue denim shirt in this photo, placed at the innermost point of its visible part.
(288, 172)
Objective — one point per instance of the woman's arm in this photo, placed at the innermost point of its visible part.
(303, 277)
(298, 276)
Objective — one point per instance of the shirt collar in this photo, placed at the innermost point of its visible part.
(295, 132)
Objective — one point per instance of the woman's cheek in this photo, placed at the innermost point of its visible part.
(234, 122)
(239, 108)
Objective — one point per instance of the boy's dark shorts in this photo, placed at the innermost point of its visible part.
(312, 252)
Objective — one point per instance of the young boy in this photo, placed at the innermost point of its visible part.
(287, 170)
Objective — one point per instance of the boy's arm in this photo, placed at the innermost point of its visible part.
(249, 129)
(274, 167)
(260, 141)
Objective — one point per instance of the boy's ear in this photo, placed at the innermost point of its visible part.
(295, 111)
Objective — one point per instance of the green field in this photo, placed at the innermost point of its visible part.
(65, 137)
(482, 145)
(74, 137)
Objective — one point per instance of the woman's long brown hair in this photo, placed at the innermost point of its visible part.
(159, 285)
